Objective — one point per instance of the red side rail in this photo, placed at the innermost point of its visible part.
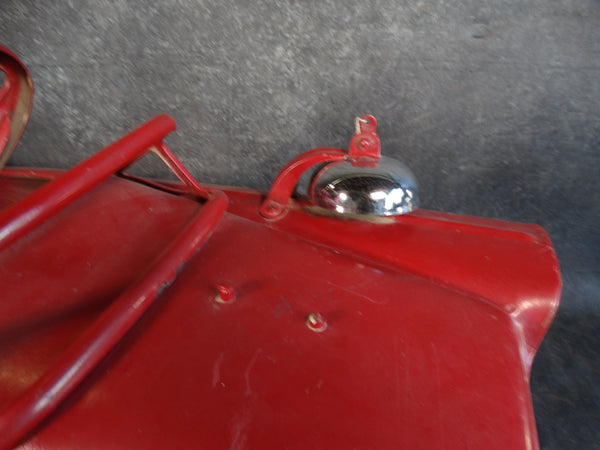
(88, 350)
(21, 218)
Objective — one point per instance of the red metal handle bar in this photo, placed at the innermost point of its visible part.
(89, 349)
(24, 216)
(16, 99)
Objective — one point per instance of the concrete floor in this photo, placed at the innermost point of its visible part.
(494, 105)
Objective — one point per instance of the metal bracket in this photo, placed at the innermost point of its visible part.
(364, 150)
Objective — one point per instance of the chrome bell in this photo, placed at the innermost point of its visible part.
(367, 183)
(386, 189)
(357, 182)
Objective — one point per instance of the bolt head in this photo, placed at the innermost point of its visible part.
(364, 144)
(272, 209)
(225, 293)
(316, 322)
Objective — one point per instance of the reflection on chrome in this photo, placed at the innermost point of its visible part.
(384, 190)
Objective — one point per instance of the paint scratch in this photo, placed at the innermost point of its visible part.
(239, 430)
(216, 373)
(283, 307)
(249, 368)
(436, 361)
(353, 292)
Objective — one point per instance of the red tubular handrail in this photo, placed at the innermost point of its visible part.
(87, 351)
(21, 218)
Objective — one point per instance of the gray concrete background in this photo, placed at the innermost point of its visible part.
(494, 105)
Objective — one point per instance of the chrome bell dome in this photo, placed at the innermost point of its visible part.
(386, 189)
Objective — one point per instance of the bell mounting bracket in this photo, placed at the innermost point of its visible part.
(364, 150)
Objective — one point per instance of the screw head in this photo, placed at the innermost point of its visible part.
(272, 209)
(364, 144)
(316, 322)
(225, 293)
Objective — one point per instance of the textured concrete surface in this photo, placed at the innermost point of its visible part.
(494, 105)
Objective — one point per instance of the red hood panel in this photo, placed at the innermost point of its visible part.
(408, 359)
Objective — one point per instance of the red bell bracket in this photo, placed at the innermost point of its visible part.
(365, 142)
(16, 99)
(364, 150)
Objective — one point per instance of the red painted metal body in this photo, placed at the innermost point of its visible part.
(148, 315)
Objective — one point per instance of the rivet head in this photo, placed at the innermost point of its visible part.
(364, 144)
(316, 322)
(273, 209)
(225, 293)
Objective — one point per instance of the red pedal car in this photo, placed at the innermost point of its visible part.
(144, 314)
